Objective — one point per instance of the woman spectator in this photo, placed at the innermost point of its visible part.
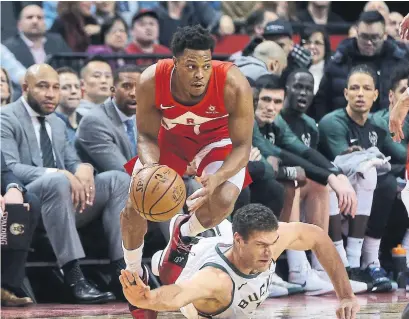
(114, 35)
(77, 25)
(105, 11)
(5, 87)
(316, 40)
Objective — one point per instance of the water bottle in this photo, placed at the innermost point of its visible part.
(399, 265)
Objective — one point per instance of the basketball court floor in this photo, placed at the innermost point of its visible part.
(373, 306)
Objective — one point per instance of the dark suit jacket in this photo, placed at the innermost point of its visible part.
(102, 140)
(54, 44)
(7, 176)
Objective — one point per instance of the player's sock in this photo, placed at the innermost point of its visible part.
(297, 261)
(370, 252)
(405, 244)
(354, 251)
(315, 264)
(339, 246)
(133, 259)
(192, 227)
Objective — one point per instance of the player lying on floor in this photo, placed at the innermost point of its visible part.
(229, 277)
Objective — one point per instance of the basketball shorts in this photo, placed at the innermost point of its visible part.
(208, 160)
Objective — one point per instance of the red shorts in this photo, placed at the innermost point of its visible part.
(211, 153)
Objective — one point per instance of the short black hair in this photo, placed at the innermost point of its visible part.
(363, 68)
(252, 218)
(254, 18)
(268, 81)
(370, 17)
(66, 69)
(293, 73)
(107, 25)
(128, 68)
(191, 37)
(400, 72)
(93, 58)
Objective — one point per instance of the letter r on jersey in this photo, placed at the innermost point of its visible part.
(190, 121)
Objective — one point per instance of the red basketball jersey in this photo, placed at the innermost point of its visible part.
(203, 123)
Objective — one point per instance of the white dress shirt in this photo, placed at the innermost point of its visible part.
(37, 125)
(39, 54)
(125, 118)
(317, 71)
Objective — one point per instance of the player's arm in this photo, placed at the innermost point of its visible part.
(148, 118)
(333, 137)
(397, 116)
(208, 283)
(301, 236)
(238, 99)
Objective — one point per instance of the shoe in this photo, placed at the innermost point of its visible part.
(374, 277)
(138, 313)
(357, 286)
(8, 299)
(176, 253)
(279, 287)
(86, 293)
(313, 285)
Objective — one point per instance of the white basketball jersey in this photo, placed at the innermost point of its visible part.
(249, 291)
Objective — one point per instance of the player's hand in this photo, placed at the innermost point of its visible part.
(134, 289)
(397, 117)
(347, 201)
(202, 195)
(404, 28)
(348, 308)
(301, 176)
(255, 154)
(85, 174)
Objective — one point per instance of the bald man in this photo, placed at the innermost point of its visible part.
(32, 43)
(268, 58)
(395, 19)
(379, 6)
(37, 150)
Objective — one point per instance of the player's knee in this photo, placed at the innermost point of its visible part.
(58, 185)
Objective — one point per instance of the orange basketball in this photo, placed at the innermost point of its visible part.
(158, 193)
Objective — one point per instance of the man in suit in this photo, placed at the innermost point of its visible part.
(13, 261)
(32, 44)
(107, 136)
(36, 148)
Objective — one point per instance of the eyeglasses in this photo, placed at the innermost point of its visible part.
(316, 43)
(374, 38)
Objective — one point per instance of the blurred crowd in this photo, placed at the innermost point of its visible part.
(319, 111)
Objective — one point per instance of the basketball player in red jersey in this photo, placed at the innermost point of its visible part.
(191, 109)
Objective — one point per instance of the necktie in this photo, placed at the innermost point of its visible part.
(131, 135)
(46, 146)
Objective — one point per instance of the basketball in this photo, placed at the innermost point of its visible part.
(157, 193)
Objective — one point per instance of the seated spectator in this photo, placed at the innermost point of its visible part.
(286, 10)
(105, 11)
(267, 58)
(174, 14)
(254, 28)
(127, 9)
(145, 36)
(13, 261)
(70, 96)
(398, 85)
(279, 141)
(114, 35)
(12, 66)
(76, 25)
(5, 87)
(316, 40)
(379, 6)
(240, 10)
(281, 32)
(298, 98)
(32, 44)
(370, 47)
(352, 126)
(35, 147)
(96, 82)
(107, 136)
(319, 12)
